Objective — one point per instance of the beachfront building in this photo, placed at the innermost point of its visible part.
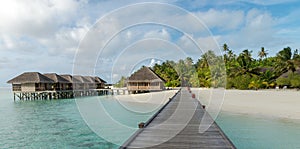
(286, 76)
(145, 80)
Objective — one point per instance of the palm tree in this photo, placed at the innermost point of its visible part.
(246, 57)
(284, 62)
(225, 47)
(263, 53)
(244, 64)
(230, 54)
(291, 66)
(285, 54)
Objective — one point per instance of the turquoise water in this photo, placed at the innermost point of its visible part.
(249, 132)
(55, 124)
(58, 124)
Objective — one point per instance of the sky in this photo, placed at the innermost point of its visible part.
(111, 38)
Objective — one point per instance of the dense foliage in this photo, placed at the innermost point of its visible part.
(240, 71)
(121, 83)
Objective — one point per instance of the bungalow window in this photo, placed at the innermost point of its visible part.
(16, 87)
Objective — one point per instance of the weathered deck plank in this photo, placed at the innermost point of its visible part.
(184, 129)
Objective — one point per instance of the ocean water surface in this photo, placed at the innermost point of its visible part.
(58, 124)
(257, 132)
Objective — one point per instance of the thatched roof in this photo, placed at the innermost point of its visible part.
(94, 79)
(263, 69)
(89, 79)
(77, 79)
(30, 77)
(145, 74)
(98, 79)
(67, 77)
(286, 75)
(36, 77)
(80, 79)
(56, 78)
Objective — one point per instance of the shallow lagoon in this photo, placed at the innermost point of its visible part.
(58, 124)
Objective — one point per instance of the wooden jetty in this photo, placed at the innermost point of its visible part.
(176, 125)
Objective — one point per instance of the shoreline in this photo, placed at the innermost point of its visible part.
(271, 103)
(160, 97)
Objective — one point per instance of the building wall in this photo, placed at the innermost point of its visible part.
(142, 86)
(16, 87)
(100, 85)
(157, 86)
(28, 87)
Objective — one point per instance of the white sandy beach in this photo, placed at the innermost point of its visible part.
(149, 98)
(146, 102)
(271, 103)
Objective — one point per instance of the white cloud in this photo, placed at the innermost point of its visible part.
(52, 30)
(35, 18)
(153, 62)
(222, 19)
(7, 42)
(258, 30)
(30, 26)
(162, 34)
(268, 2)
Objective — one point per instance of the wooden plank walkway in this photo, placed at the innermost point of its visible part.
(177, 126)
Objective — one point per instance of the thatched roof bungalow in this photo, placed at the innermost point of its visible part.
(78, 82)
(31, 82)
(144, 80)
(60, 83)
(100, 83)
(71, 79)
(286, 75)
(284, 80)
(35, 81)
(90, 82)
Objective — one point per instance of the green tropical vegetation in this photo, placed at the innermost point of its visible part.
(239, 71)
(121, 82)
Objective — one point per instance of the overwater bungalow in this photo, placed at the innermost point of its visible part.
(90, 82)
(145, 80)
(31, 82)
(34, 86)
(69, 78)
(59, 84)
(100, 83)
(78, 82)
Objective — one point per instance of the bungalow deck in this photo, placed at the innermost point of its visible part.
(155, 133)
